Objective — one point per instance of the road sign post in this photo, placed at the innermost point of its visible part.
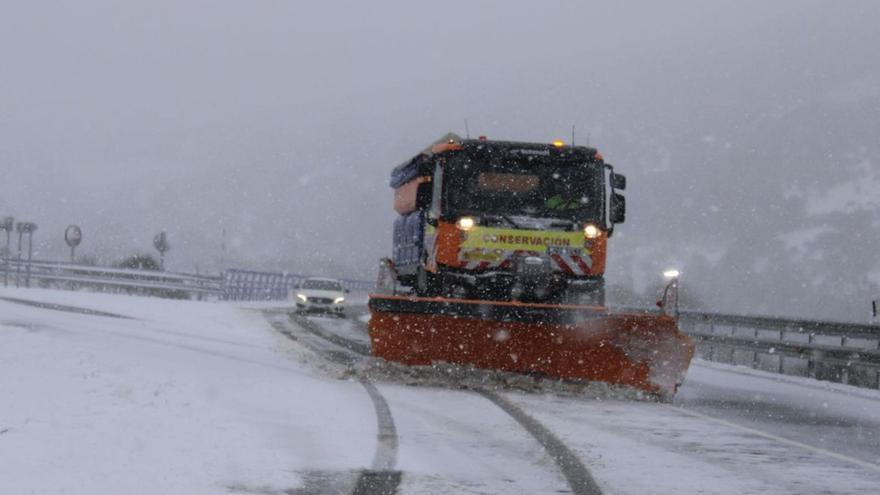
(73, 236)
(160, 242)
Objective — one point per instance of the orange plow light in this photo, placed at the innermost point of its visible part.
(567, 342)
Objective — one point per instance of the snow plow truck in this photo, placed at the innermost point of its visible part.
(498, 262)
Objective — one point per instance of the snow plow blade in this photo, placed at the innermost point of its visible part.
(567, 342)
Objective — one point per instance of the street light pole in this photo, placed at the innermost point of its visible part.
(671, 289)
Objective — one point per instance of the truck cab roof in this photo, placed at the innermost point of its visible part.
(409, 169)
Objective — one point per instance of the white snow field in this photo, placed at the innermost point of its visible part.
(183, 397)
(160, 396)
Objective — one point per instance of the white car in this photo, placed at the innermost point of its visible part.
(320, 294)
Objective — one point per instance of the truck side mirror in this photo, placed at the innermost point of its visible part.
(618, 181)
(617, 212)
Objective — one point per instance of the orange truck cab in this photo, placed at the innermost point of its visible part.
(505, 221)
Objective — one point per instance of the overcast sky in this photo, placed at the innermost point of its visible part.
(278, 121)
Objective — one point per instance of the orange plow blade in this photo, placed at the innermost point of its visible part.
(640, 350)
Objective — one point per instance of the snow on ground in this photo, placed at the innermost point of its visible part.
(180, 397)
(347, 328)
(643, 448)
(731, 430)
(835, 417)
(188, 397)
(455, 441)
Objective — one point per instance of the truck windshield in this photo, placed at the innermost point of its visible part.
(531, 185)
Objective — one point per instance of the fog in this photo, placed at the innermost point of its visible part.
(260, 134)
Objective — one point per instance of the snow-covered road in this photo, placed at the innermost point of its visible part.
(159, 396)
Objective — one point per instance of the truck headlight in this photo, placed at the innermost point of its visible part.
(466, 223)
(302, 297)
(338, 300)
(591, 231)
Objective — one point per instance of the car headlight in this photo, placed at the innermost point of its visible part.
(338, 300)
(466, 223)
(591, 231)
(302, 297)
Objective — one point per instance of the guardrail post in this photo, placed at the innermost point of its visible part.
(30, 255)
(816, 357)
(18, 266)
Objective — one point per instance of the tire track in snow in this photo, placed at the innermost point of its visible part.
(386, 451)
(574, 471)
(381, 478)
(61, 307)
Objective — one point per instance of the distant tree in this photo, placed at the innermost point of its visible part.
(139, 262)
(148, 263)
(87, 260)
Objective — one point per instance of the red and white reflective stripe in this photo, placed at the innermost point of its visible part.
(584, 265)
(561, 264)
(572, 263)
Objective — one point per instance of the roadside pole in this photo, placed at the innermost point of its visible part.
(160, 242)
(24, 228)
(6, 226)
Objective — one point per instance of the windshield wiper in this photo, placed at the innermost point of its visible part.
(510, 221)
(569, 225)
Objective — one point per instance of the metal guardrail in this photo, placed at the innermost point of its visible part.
(50, 273)
(252, 285)
(233, 284)
(834, 351)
